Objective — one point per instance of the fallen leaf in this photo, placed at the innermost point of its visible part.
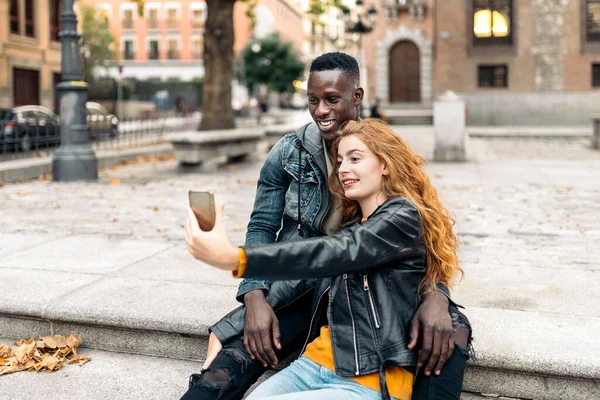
(115, 182)
(54, 342)
(58, 206)
(76, 358)
(114, 220)
(1, 184)
(41, 154)
(562, 190)
(23, 193)
(161, 230)
(546, 215)
(4, 349)
(233, 168)
(155, 209)
(568, 221)
(239, 229)
(252, 181)
(524, 200)
(85, 195)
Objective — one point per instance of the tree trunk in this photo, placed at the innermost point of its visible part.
(217, 112)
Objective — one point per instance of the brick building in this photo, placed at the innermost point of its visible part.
(514, 62)
(30, 54)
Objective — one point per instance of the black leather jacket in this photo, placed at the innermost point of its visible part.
(372, 271)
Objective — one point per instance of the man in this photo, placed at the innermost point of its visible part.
(293, 201)
(377, 112)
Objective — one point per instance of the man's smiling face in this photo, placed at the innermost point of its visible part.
(333, 98)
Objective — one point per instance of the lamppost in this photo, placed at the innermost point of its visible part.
(360, 22)
(74, 159)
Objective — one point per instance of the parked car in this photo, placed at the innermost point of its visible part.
(25, 128)
(100, 121)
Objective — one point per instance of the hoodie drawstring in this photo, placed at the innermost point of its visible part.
(300, 231)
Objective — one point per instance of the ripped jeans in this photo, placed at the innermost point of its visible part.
(232, 372)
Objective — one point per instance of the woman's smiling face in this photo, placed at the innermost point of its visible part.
(360, 171)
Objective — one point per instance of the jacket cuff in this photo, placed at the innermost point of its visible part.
(248, 285)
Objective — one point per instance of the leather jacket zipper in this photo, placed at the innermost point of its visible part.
(313, 317)
(366, 286)
(353, 326)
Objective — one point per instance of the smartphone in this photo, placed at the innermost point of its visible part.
(203, 204)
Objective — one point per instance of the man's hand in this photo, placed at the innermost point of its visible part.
(261, 329)
(214, 347)
(433, 322)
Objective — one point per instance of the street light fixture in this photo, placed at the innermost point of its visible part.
(74, 159)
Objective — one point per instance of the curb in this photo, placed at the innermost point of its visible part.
(32, 168)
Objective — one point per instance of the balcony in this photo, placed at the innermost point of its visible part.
(128, 55)
(197, 55)
(198, 24)
(173, 24)
(173, 55)
(127, 24)
(152, 23)
(153, 55)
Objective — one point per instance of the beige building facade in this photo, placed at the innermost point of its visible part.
(514, 62)
(30, 54)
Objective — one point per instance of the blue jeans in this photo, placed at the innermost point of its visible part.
(305, 379)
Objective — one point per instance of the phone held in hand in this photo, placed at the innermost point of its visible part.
(203, 204)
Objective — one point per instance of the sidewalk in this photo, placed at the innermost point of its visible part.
(107, 260)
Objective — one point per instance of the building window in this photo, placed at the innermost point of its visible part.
(595, 75)
(152, 18)
(593, 20)
(127, 21)
(102, 14)
(172, 18)
(197, 48)
(29, 19)
(153, 50)
(128, 50)
(493, 76)
(197, 19)
(14, 16)
(55, 11)
(492, 22)
(172, 52)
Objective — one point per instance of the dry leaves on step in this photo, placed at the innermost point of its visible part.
(47, 353)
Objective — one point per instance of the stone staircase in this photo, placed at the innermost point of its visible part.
(409, 113)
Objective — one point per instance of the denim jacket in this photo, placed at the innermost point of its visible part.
(295, 170)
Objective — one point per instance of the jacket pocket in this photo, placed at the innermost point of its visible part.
(303, 185)
(370, 302)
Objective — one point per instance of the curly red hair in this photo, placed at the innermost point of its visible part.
(407, 178)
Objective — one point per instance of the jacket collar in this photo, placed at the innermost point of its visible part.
(311, 140)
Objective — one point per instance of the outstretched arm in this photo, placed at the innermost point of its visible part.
(393, 234)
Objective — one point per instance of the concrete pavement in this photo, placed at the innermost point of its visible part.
(107, 260)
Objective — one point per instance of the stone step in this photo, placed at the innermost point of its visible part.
(112, 375)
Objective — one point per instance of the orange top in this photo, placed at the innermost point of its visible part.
(399, 380)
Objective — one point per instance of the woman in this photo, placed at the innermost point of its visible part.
(373, 271)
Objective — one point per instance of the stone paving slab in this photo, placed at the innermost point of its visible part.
(83, 254)
(177, 265)
(28, 292)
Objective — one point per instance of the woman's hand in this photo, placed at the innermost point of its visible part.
(212, 247)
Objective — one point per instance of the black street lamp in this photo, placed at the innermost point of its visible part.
(74, 159)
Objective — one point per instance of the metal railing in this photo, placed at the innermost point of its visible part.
(40, 138)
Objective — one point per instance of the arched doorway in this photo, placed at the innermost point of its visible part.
(405, 72)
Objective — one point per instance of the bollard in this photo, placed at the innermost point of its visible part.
(449, 122)
(596, 135)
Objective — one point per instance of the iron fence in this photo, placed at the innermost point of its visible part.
(40, 138)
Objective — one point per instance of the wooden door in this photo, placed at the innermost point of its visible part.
(405, 73)
(26, 87)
